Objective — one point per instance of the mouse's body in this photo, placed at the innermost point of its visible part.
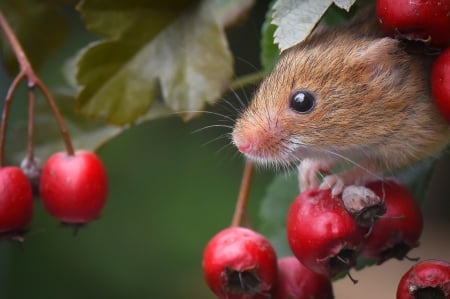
(344, 95)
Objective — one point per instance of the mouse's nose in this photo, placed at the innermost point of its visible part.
(244, 146)
(259, 138)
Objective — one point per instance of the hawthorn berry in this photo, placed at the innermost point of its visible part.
(440, 83)
(239, 263)
(322, 234)
(295, 281)
(398, 231)
(419, 20)
(426, 279)
(74, 188)
(16, 202)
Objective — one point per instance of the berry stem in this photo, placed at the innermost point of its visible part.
(5, 113)
(30, 143)
(248, 79)
(242, 200)
(27, 71)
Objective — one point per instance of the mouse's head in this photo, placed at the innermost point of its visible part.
(330, 96)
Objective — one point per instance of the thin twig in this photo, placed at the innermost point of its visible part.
(246, 80)
(58, 117)
(30, 143)
(242, 200)
(26, 70)
(5, 113)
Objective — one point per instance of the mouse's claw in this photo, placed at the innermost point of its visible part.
(308, 172)
(333, 182)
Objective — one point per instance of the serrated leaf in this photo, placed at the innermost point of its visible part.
(269, 50)
(274, 208)
(85, 134)
(39, 26)
(187, 61)
(295, 20)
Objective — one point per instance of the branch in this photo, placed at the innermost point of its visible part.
(26, 71)
(241, 203)
(246, 80)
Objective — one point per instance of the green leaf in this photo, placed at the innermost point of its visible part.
(417, 177)
(182, 58)
(274, 208)
(295, 20)
(269, 50)
(85, 134)
(39, 26)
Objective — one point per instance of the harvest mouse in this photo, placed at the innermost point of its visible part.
(344, 95)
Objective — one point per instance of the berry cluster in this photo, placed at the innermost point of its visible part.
(327, 235)
(239, 263)
(71, 184)
(423, 23)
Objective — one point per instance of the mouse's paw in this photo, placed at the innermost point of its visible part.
(308, 172)
(357, 176)
(334, 182)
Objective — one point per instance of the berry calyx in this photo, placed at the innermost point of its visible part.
(440, 83)
(295, 281)
(398, 231)
(426, 279)
(363, 204)
(322, 234)
(239, 263)
(16, 203)
(32, 169)
(74, 188)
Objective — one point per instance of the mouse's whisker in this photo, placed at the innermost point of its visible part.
(223, 147)
(354, 163)
(241, 102)
(220, 137)
(224, 116)
(230, 105)
(212, 126)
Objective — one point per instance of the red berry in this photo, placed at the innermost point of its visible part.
(426, 20)
(440, 83)
(16, 202)
(74, 188)
(322, 234)
(239, 263)
(426, 279)
(398, 231)
(295, 281)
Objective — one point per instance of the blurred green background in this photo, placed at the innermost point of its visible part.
(171, 190)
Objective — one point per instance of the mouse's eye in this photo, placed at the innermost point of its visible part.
(302, 101)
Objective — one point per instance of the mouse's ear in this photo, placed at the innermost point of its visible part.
(378, 50)
(379, 56)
